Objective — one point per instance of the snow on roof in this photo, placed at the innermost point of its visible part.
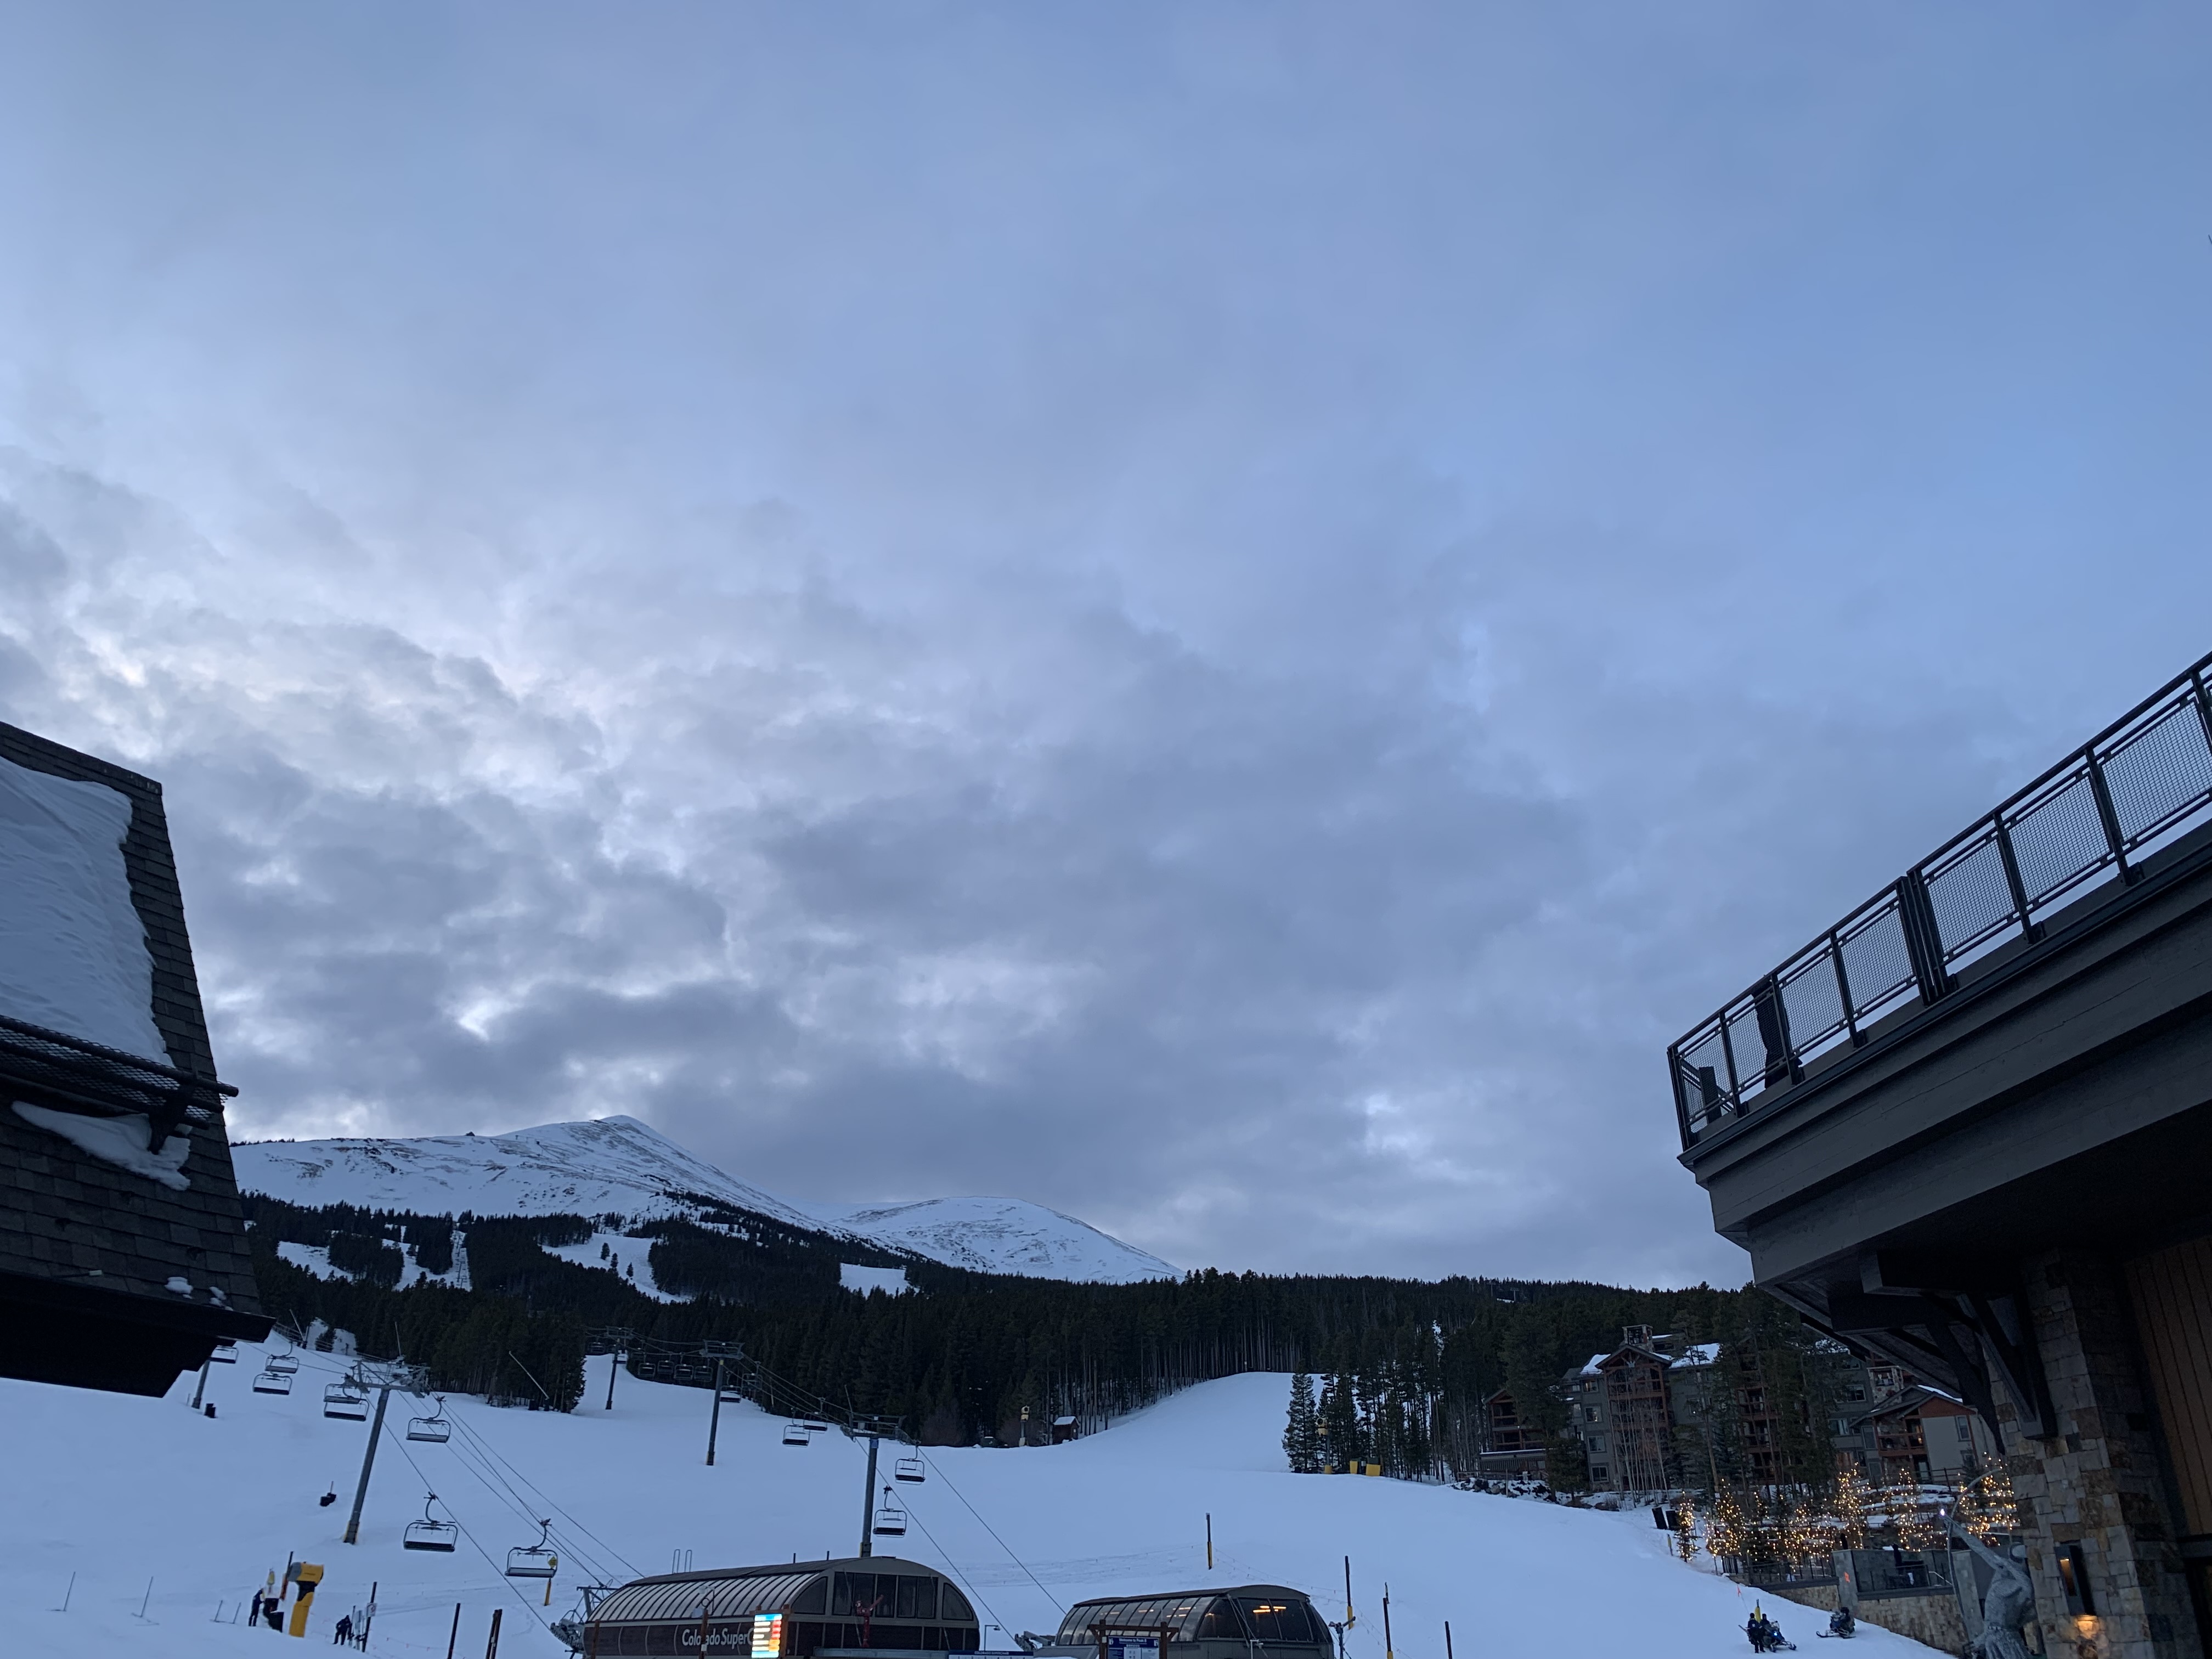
(1700, 1353)
(1595, 1360)
(73, 954)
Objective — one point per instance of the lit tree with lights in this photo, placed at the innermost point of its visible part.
(1986, 1505)
(1853, 1499)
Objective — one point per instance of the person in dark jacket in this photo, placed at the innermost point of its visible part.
(343, 1631)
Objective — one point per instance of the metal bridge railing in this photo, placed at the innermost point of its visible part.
(2140, 784)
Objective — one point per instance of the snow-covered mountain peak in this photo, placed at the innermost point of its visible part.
(1000, 1235)
(618, 1165)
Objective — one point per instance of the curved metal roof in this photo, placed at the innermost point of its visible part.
(740, 1592)
(1177, 1595)
(723, 1596)
(1181, 1610)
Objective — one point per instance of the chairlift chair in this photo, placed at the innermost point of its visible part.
(534, 1560)
(226, 1353)
(429, 1533)
(911, 1469)
(340, 1401)
(273, 1382)
(436, 1428)
(794, 1434)
(813, 1425)
(284, 1364)
(891, 1521)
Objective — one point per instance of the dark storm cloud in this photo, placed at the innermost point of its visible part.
(1223, 621)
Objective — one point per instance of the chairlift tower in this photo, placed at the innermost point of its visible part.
(876, 1431)
(721, 1353)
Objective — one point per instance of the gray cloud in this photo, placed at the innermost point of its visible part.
(1223, 621)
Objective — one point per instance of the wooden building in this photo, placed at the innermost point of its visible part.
(123, 1257)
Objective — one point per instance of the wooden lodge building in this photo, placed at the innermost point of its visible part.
(123, 1257)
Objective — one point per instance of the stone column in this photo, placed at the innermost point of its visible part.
(2100, 1482)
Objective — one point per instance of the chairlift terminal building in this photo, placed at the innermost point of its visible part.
(1232, 1623)
(875, 1604)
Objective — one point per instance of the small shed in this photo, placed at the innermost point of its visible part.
(876, 1604)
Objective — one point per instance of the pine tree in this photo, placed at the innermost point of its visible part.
(1302, 1439)
(1340, 1422)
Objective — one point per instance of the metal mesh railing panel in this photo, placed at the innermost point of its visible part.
(1971, 899)
(1879, 965)
(1810, 991)
(2059, 840)
(2160, 773)
(1750, 1051)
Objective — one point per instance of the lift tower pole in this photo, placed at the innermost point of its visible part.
(868, 1502)
(367, 1463)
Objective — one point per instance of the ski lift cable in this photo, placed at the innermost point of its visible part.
(937, 1469)
(599, 1558)
(480, 1466)
(945, 1556)
(478, 1462)
(547, 1501)
(495, 1567)
(593, 1560)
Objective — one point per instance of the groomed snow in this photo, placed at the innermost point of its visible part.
(617, 1166)
(72, 948)
(629, 1259)
(891, 1281)
(120, 1490)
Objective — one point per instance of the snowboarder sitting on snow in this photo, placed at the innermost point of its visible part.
(1840, 1623)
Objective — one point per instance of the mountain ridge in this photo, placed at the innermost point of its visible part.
(618, 1165)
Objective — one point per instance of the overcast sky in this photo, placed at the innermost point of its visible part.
(1222, 616)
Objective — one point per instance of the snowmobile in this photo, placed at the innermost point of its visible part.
(1840, 1623)
(1765, 1635)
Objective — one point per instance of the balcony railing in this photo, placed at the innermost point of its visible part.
(2139, 785)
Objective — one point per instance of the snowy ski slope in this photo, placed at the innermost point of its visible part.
(120, 1491)
(618, 1165)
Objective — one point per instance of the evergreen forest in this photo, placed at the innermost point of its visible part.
(1405, 1365)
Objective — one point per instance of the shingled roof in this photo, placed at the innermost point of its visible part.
(108, 1278)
